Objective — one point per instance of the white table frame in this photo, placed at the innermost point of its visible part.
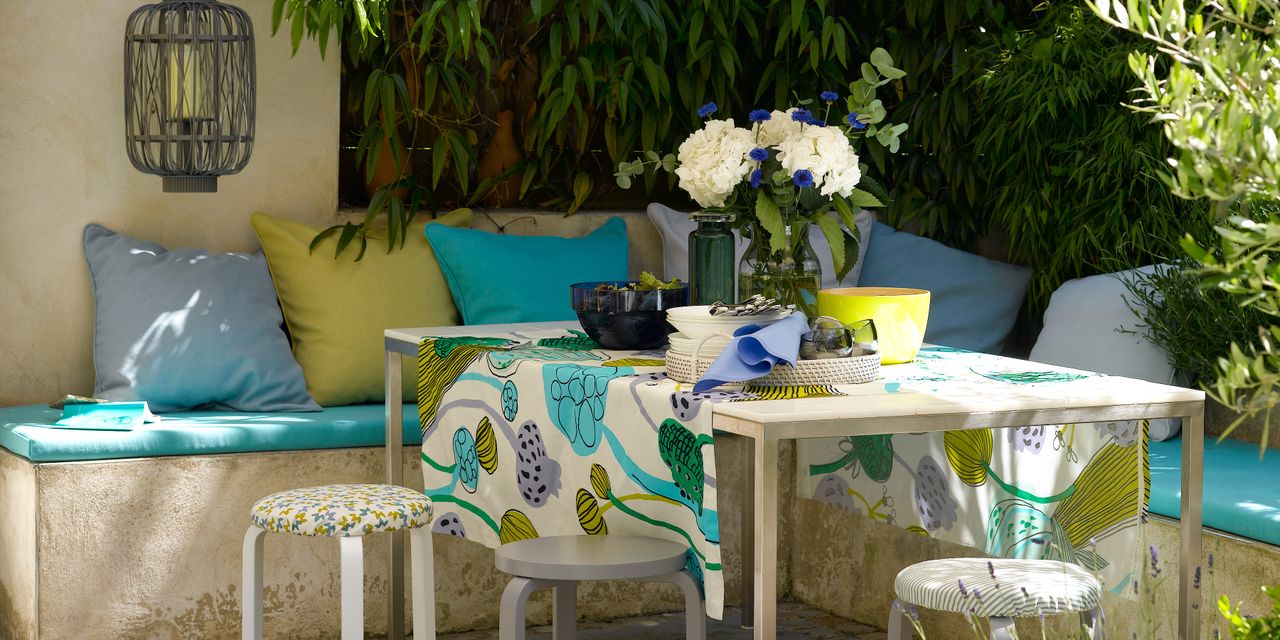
(831, 418)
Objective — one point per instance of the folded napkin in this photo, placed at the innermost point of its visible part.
(754, 351)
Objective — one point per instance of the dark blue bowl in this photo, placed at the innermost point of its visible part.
(621, 319)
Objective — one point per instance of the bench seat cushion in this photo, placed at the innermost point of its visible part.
(1240, 494)
(25, 431)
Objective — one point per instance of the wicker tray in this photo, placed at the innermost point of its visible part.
(687, 368)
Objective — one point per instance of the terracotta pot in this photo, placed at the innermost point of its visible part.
(385, 171)
(501, 154)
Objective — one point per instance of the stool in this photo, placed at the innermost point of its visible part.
(559, 562)
(999, 590)
(346, 512)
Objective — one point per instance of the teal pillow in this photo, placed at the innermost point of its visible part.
(974, 300)
(499, 278)
(188, 328)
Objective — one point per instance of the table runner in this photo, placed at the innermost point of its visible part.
(1074, 492)
(546, 434)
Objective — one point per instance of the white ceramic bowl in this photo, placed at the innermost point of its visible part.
(696, 322)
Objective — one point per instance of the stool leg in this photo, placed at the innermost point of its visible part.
(1000, 629)
(695, 609)
(564, 618)
(1093, 621)
(515, 598)
(898, 627)
(424, 584)
(352, 589)
(251, 585)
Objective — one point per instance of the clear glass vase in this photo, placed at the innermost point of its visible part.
(790, 276)
(711, 274)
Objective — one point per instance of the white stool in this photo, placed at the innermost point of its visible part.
(347, 512)
(559, 562)
(999, 590)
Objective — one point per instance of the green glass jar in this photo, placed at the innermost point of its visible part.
(711, 268)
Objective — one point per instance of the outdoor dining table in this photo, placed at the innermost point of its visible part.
(866, 410)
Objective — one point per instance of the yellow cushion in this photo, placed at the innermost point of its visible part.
(337, 309)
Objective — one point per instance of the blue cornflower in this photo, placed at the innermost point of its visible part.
(829, 96)
(707, 109)
(817, 122)
(759, 115)
(756, 177)
(803, 178)
(854, 122)
(758, 154)
(801, 115)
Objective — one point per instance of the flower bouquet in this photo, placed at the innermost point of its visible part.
(788, 170)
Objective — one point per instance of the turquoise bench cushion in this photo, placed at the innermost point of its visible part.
(1240, 494)
(25, 431)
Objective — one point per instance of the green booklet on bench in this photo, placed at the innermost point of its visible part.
(109, 416)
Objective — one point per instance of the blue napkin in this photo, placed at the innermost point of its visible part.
(754, 351)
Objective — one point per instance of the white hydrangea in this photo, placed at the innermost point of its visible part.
(826, 152)
(713, 160)
(777, 128)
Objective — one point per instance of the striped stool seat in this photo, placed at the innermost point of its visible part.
(998, 589)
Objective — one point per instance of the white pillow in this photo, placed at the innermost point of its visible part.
(1082, 330)
(675, 227)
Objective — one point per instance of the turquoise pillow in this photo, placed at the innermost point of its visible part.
(188, 328)
(975, 300)
(499, 278)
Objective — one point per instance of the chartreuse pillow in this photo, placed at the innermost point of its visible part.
(498, 278)
(188, 328)
(337, 309)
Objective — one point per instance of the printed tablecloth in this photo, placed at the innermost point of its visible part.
(557, 436)
(1073, 492)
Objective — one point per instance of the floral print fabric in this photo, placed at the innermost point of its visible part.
(342, 510)
(1072, 492)
(546, 434)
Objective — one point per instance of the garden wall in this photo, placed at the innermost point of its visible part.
(63, 164)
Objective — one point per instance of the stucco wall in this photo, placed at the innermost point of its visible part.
(63, 164)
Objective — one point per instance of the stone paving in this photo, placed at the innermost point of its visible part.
(796, 622)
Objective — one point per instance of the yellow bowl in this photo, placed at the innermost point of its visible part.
(900, 316)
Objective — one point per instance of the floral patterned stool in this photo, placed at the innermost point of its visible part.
(559, 562)
(346, 512)
(999, 590)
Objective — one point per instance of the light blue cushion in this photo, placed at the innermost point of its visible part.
(974, 300)
(497, 278)
(187, 328)
(1240, 494)
(26, 432)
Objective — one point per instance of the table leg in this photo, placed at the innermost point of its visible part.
(747, 547)
(394, 402)
(765, 519)
(1190, 556)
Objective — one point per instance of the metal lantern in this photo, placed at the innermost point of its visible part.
(189, 92)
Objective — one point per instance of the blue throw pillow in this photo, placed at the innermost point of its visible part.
(974, 300)
(498, 278)
(187, 328)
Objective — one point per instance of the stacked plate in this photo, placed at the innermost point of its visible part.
(686, 346)
(696, 322)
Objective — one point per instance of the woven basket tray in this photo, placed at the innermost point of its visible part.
(852, 370)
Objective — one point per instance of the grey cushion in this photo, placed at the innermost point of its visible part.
(188, 328)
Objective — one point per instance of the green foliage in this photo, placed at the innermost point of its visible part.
(1072, 174)
(584, 78)
(1211, 84)
(1194, 325)
(1249, 628)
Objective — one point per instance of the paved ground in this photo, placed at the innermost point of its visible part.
(797, 622)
